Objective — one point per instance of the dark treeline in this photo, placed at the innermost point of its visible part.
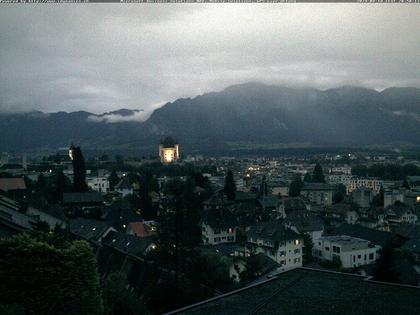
(386, 171)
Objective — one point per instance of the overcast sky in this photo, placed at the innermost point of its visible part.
(105, 57)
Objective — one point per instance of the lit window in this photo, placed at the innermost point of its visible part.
(230, 230)
(297, 242)
(418, 199)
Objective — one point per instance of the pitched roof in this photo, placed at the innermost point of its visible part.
(272, 231)
(359, 231)
(83, 197)
(88, 229)
(269, 201)
(7, 184)
(293, 204)
(128, 243)
(140, 229)
(123, 184)
(12, 218)
(219, 218)
(304, 221)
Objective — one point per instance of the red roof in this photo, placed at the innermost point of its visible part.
(7, 184)
(139, 229)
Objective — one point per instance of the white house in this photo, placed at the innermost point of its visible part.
(279, 243)
(318, 193)
(98, 183)
(352, 252)
(218, 226)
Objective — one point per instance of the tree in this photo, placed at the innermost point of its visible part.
(339, 194)
(307, 248)
(230, 186)
(378, 200)
(359, 170)
(113, 179)
(79, 170)
(295, 187)
(61, 186)
(49, 277)
(117, 299)
(318, 174)
(384, 268)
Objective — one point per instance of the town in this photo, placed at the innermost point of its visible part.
(158, 234)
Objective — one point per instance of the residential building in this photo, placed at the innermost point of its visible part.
(305, 222)
(372, 183)
(362, 196)
(375, 237)
(98, 183)
(399, 214)
(124, 187)
(352, 252)
(83, 203)
(318, 193)
(218, 225)
(391, 196)
(276, 241)
(53, 217)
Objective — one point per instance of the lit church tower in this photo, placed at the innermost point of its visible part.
(168, 150)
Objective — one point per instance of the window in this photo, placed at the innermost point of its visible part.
(283, 253)
(359, 256)
(336, 249)
(371, 256)
(327, 248)
(354, 258)
(297, 251)
(297, 242)
(365, 257)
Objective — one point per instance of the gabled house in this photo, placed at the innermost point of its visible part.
(319, 194)
(124, 187)
(398, 214)
(218, 225)
(88, 203)
(305, 222)
(141, 229)
(53, 217)
(292, 204)
(341, 212)
(88, 229)
(276, 241)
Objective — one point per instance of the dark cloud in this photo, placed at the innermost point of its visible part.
(103, 57)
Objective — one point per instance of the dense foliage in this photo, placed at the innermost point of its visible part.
(386, 171)
(45, 275)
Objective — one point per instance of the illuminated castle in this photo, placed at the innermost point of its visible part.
(168, 150)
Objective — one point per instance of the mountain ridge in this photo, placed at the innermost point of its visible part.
(252, 113)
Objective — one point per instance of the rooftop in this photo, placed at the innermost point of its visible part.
(7, 184)
(343, 240)
(309, 291)
(318, 186)
(83, 197)
(356, 230)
